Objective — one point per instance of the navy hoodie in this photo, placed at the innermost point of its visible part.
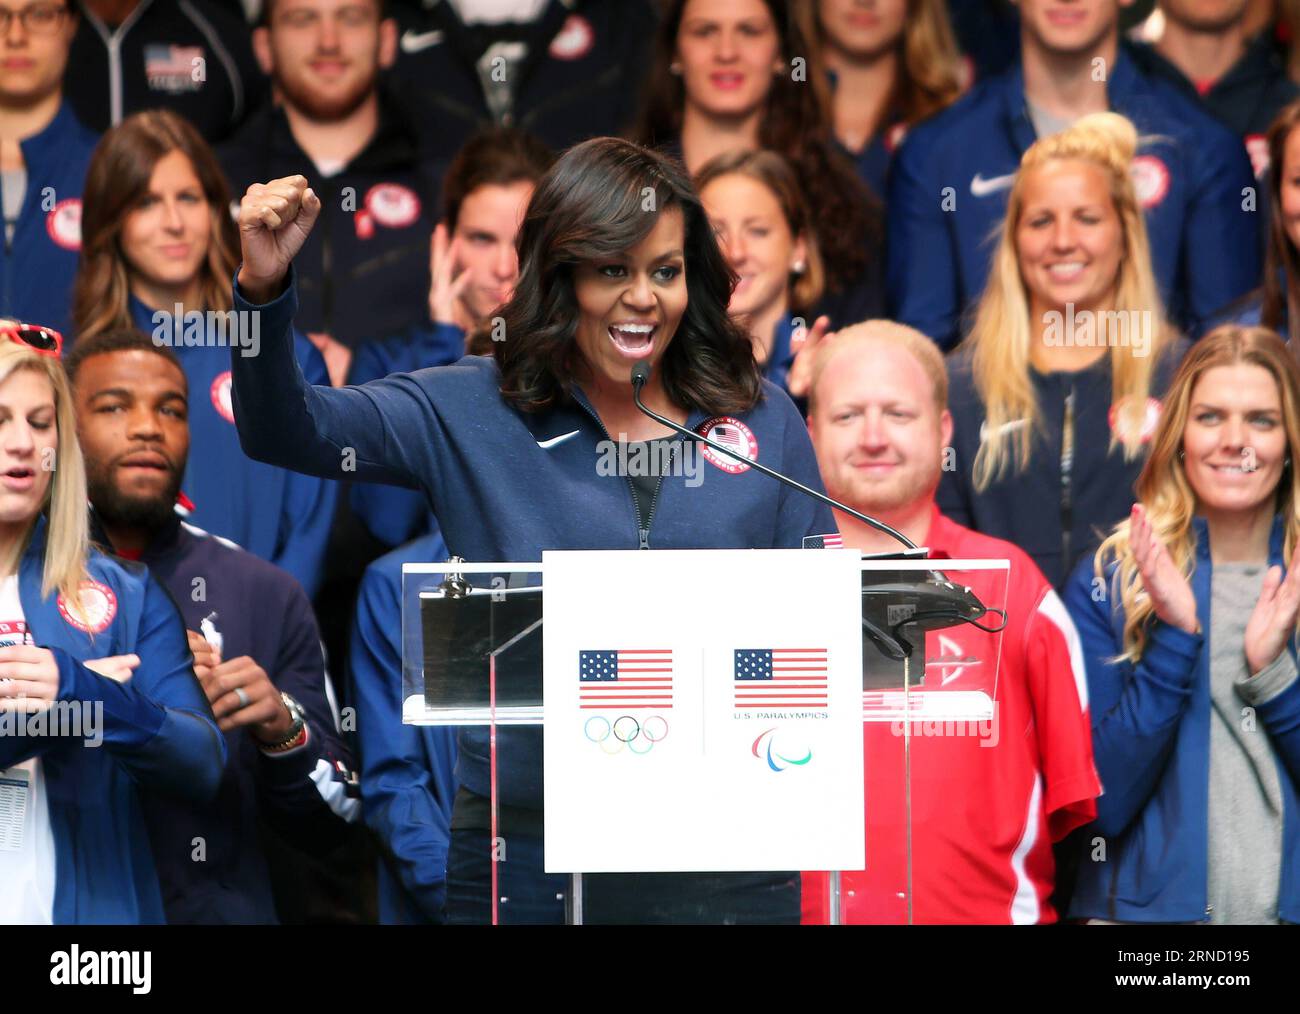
(364, 270)
(506, 485)
(260, 611)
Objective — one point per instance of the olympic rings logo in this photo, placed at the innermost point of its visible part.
(626, 731)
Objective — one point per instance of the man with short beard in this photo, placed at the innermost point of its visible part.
(257, 651)
(364, 272)
(1007, 768)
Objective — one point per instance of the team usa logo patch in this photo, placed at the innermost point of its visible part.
(574, 39)
(1150, 419)
(392, 205)
(63, 223)
(97, 607)
(730, 432)
(220, 392)
(1150, 180)
(1257, 149)
(894, 137)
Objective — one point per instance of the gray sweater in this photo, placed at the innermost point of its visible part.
(1245, 798)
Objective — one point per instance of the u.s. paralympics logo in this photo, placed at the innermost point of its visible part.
(730, 432)
(776, 760)
(638, 736)
(96, 606)
(220, 392)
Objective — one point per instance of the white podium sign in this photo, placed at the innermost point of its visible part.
(703, 711)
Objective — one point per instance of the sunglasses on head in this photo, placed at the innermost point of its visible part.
(44, 341)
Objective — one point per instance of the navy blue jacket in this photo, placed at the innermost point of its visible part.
(38, 266)
(282, 516)
(260, 611)
(949, 184)
(1246, 99)
(391, 514)
(1151, 744)
(158, 736)
(364, 270)
(498, 494)
(149, 61)
(408, 772)
(580, 76)
(1056, 510)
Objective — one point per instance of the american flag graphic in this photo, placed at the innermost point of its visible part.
(170, 61)
(628, 678)
(729, 436)
(781, 677)
(832, 541)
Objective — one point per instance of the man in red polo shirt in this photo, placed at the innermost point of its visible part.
(992, 790)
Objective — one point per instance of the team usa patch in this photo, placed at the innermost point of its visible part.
(63, 223)
(392, 205)
(220, 392)
(574, 39)
(894, 137)
(97, 606)
(1257, 149)
(1150, 420)
(730, 432)
(1150, 180)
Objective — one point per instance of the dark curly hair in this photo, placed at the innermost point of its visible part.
(601, 198)
(796, 124)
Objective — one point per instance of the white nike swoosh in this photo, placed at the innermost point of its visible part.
(981, 187)
(413, 42)
(1015, 424)
(546, 445)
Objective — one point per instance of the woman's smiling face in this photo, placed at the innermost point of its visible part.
(630, 305)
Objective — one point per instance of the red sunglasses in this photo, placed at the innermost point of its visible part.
(44, 341)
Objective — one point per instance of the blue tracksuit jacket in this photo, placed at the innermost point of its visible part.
(408, 772)
(503, 488)
(259, 611)
(1151, 743)
(38, 266)
(949, 183)
(158, 736)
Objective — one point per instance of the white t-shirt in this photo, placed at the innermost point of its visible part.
(26, 837)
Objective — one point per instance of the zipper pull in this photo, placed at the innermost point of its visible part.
(645, 538)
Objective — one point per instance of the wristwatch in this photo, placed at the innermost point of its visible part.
(297, 734)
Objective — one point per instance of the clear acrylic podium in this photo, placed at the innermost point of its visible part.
(472, 658)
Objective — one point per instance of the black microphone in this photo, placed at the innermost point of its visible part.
(641, 374)
(926, 600)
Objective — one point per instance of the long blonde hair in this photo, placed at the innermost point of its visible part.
(1163, 489)
(1003, 336)
(67, 535)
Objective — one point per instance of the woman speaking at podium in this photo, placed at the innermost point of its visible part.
(618, 265)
